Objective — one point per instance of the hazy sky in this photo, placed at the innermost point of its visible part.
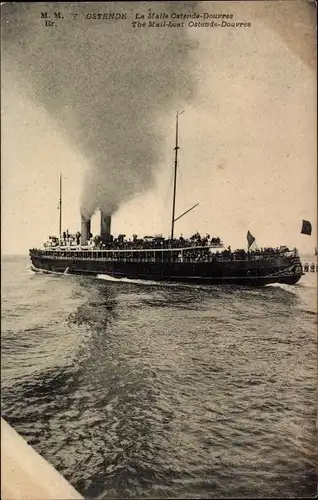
(247, 136)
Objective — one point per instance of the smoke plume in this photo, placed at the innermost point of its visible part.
(105, 83)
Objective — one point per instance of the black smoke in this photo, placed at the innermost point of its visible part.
(105, 83)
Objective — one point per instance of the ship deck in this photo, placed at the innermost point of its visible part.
(177, 254)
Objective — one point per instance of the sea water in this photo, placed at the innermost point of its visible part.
(136, 389)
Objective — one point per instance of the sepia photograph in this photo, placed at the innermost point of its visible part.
(159, 249)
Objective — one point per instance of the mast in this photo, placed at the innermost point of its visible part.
(175, 174)
(60, 207)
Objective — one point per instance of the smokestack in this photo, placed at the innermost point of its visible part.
(105, 223)
(85, 230)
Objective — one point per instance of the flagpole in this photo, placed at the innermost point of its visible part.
(60, 207)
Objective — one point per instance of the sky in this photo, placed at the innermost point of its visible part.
(248, 148)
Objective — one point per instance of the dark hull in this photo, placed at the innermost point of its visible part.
(251, 273)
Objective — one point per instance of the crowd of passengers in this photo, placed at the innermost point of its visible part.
(204, 255)
(121, 242)
(195, 241)
(310, 267)
(158, 242)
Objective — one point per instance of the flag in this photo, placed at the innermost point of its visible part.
(250, 239)
(306, 227)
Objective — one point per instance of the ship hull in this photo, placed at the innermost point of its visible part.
(249, 273)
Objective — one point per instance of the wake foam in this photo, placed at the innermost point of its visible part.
(107, 277)
(29, 270)
(282, 286)
(46, 271)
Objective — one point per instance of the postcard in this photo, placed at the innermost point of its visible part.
(159, 246)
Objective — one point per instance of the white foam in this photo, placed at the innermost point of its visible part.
(107, 277)
(283, 286)
(28, 270)
(45, 271)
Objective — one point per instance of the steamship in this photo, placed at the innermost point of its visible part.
(194, 260)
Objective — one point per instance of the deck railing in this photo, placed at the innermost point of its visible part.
(187, 254)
